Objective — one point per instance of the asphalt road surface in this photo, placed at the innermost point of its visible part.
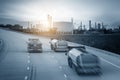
(17, 64)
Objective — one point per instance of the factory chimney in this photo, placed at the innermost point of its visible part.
(90, 27)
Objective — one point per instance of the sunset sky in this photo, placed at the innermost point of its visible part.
(61, 10)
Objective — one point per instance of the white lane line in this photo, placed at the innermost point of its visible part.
(65, 75)
(60, 67)
(28, 61)
(52, 56)
(56, 61)
(26, 77)
(28, 68)
(111, 63)
(28, 56)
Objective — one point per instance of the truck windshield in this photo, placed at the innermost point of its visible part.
(88, 58)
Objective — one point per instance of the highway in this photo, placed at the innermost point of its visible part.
(17, 64)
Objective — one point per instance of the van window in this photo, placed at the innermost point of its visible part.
(62, 43)
(89, 58)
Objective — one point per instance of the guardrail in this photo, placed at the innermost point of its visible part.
(96, 49)
(104, 51)
(1, 44)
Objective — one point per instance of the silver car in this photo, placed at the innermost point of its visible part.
(59, 45)
(34, 45)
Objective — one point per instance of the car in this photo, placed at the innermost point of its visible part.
(59, 45)
(34, 45)
(83, 61)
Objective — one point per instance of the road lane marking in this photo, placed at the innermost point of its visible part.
(56, 61)
(28, 61)
(28, 68)
(26, 77)
(65, 75)
(28, 56)
(52, 56)
(110, 63)
(60, 67)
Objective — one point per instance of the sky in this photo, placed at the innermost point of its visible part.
(107, 11)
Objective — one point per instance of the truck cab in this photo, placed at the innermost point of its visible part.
(83, 61)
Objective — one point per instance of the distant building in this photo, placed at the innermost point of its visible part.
(99, 26)
(49, 21)
(90, 27)
(103, 26)
(64, 27)
(80, 27)
(95, 25)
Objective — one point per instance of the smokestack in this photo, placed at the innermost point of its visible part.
(90, 25)
(28, 24)
(99, 26)
(81, 25)
(95, 25)
(72, 24)
(49, 20)
(84, 27)
(102, 25)
(72, 20)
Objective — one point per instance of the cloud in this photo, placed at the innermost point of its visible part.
(104, 10)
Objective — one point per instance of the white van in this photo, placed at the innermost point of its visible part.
(83, 61)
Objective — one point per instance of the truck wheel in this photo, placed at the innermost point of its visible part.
(70, 62)
(77, 70)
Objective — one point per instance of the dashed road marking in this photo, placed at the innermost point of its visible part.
(28, 68)
(52, 56)
(28, 56)
(110, 63)
(28, 61)
(26, 77)
(60, 67)
(65, 75)
(56, 61)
